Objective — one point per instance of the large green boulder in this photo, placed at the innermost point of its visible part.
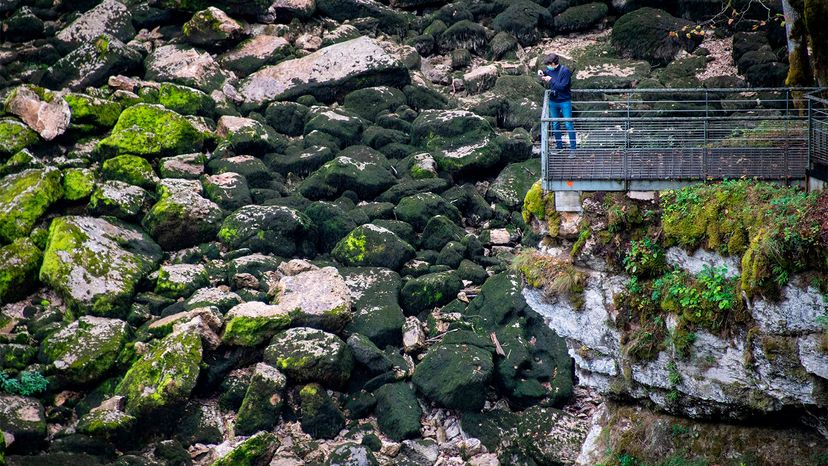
(654, 35)
(372, 245)
(268, 229)
(439, 231)
(389, 20)
(78, 183)
(523, 20)
(164, 376)
(211, 27)
(182, 217)
(418, 209)
(19, 264)
(263, 401)
(358, 168)
(464, 34)
(344, 126)
(398, 412)
(181, 280)
(24, 198)
(96, 264)
(86, 349)
(15, 136)
(309, 355)
(371, 102)
(376, 309)
(255, 450)
(87, 109)
(253, 322)
(150, 130)
(455, 376)
(513, 182)
(580, 17)
(429, 291)
(120, 200)
(130, 169)
(185, 100)
(332, 223)
(459, 140)
(320, 417)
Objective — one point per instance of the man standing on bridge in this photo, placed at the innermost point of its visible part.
(558, 78)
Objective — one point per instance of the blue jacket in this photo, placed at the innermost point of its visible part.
(561, 83)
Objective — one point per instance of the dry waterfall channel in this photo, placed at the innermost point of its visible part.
(309, 232)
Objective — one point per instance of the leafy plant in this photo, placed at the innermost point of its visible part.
(26, 384)
(716, 288)
(644, 258)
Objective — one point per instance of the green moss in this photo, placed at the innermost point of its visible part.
(87, 109)
(250, 452)
(165, 376)
(24, 198)
(541, 206)
(252, 331)
(130, 169)
(78, 183)
(185, 100)
(151, 130)
(19, 263)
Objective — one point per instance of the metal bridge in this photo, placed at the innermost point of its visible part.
(653, 139)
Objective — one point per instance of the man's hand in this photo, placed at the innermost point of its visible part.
(546, 79)
(553, 93)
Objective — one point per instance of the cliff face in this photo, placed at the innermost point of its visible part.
(705, 303)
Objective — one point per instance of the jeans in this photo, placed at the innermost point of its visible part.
(562, 110)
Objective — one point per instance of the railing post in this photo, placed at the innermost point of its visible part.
(810, 134)
(787, 136)
(545, 142)
(626, 155)
(706, 131)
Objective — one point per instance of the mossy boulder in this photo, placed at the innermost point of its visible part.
(24, 198)
(310, 355)
(371, 102)
(455, 376)
(229, 190)
(109, 16)
(358, 168)
(85, 350)
(109, 424)
(459, 140)
(253, 322)
(654, 35)
(91, 64)
(130, 169)
(211, 27)
(398, 411)
(580, 17)
(269, 229)
(182, 217)
(150, 130)
(439, 231)
(429, 291)
(164, 376)
(87, 109)
(287, 117)
(388, 20)
(252, 451)
(523, 20)
(463, 34)
(262, 403)
(185, 100)
(317, 298)
(513, 182)
(344, 126)
(120, 200)
(180, 280)
(320, 417)
(15, 136)
(19, 264)
(247, 136)
(78, 183)
(22, 417)
(376, 309)
(420, 208)
(96, 264)
(184, 166)
(332, 224)
(372, 245)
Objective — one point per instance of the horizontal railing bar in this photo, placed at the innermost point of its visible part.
(696, 89)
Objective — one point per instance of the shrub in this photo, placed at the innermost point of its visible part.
(644, 258)
(26, 384)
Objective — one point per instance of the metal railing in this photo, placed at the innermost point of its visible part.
(664, 138)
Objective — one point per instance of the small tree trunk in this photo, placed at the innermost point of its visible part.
(816, 21)
(799, 70)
